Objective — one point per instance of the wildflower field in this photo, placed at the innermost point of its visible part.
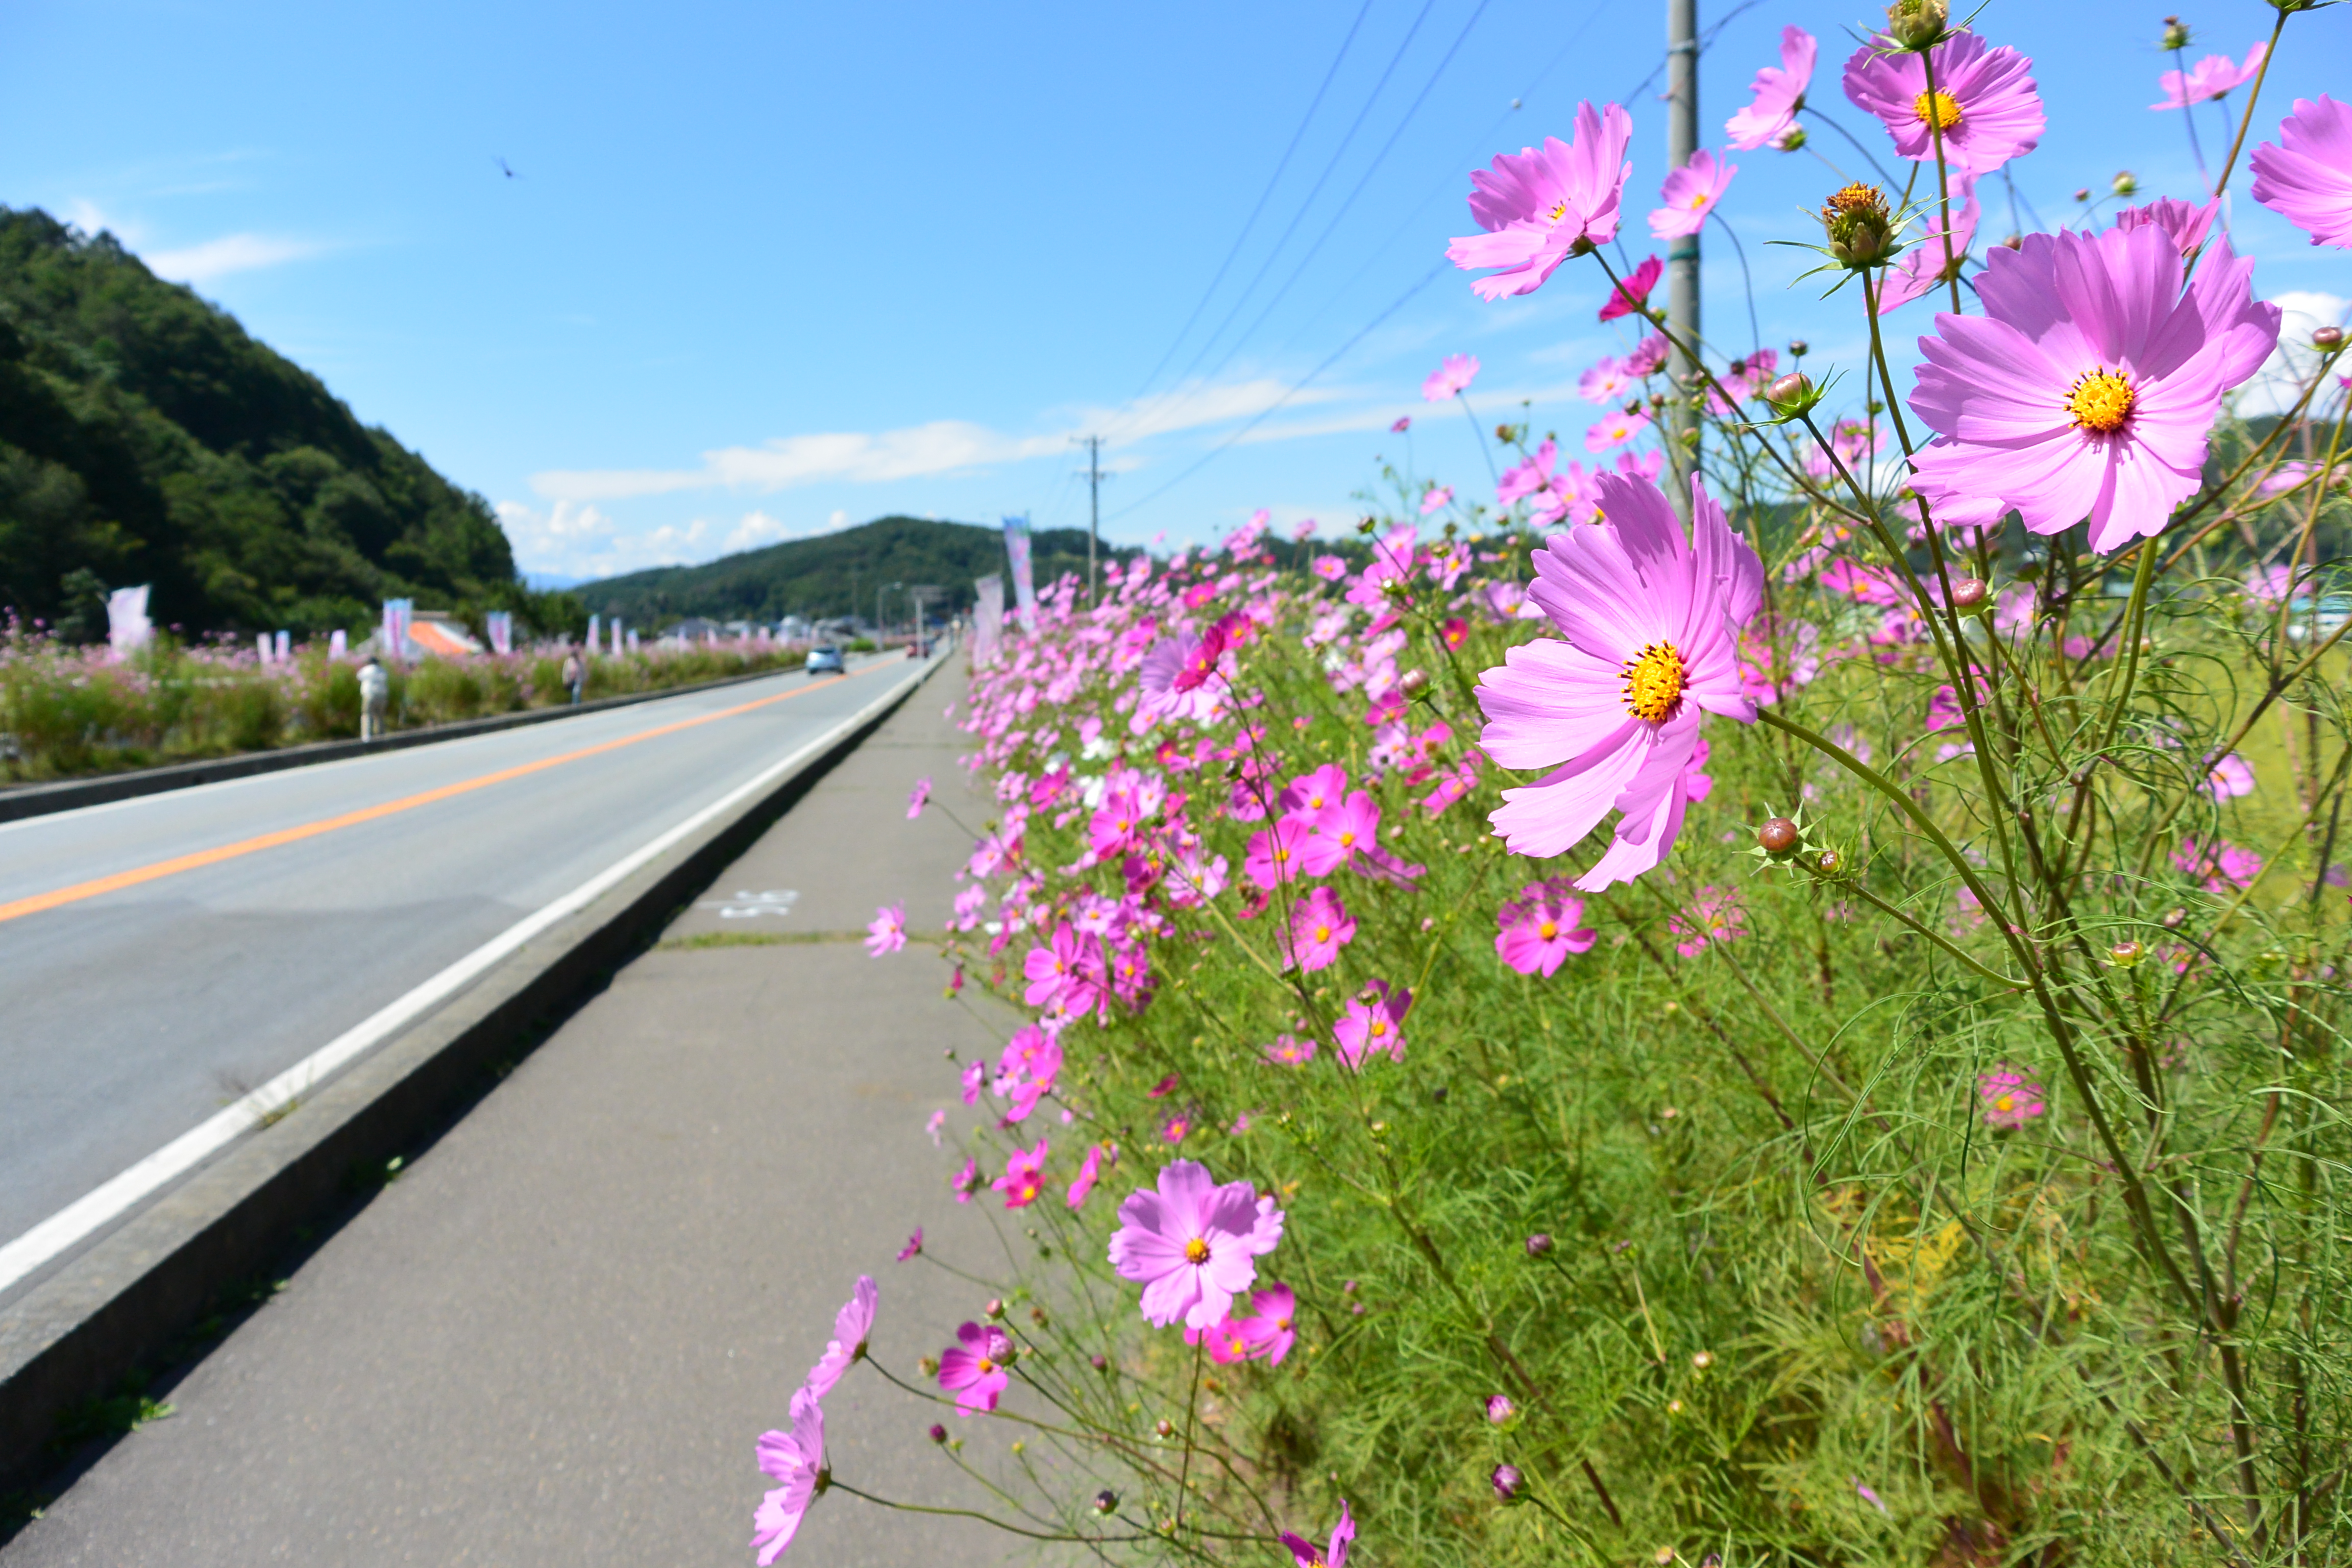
(1775, 1000)
(66, 711)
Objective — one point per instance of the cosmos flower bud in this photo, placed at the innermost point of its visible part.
(2176, 34)
(1790, 138)
(1165, 1427)
(1792, 395)
(928, 1366)
(1105, 1500)
(2083, 195)
(2123, 954)
(1507, 1482)
(1498, 1408)
(1799, 348)
(1916, 24)
(994, 1310)
(2125, 183)
(1703, 1360)
(1828, 863)
(938, 1433)
(1861, 231)
(1100, 1363)
(1538, 1243)
(1967, 594)
(1413, 682)
(1778, 835)
(2328, 340)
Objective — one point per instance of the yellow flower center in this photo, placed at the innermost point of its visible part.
(1322, 933)
(1347, 839)
(1548, 930)
(1378, 1028)
(1559, 211)
(1940, 110)
(986, 1366)
(1700, 200)
(2101, 401)
(1280, 853)
(2006, 1102)
(1196, 1251)
(1654, 682)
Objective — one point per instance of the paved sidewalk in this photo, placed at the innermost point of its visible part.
(556, 1336)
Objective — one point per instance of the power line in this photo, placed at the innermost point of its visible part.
(1339, 152)
(1378, 158)
(1362, 333)
(1263, 197)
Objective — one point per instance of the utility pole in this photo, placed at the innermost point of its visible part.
(1095, 476)
(1682, 259)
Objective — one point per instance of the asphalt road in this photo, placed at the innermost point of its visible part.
(134, 1013)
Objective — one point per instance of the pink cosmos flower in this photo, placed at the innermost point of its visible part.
(2221, 865)
(966, 1182)
(1652, 623)
(1451, 378)
(1089, 1171)
(851, 1328)
(1226, 1342)
(888, 931)
(974, 1075)
(973, 1370)
(1307, 796)
(914, 1245)
(1373, 1021)
(1304, 1554)
(2008, 1100)
(1269, 1332)
(1023, 1178)
(2305, 176)
(1615, 430)
(1632, 293)
(1439, 498)
(1403, 424)
(1320, 927)
(2088, 387)
(1330, 568)
(1068, 971)
(795, 1458)
(2186, 222)
(1604, 383)
(914, 801)
(1190, 1244)
(1536, 476)
(1715, 916)
(1539, 208)
(1540, 928)
(2209, 78)
(1985, 101)
(2228, 777)
(1275, 856)
(1342, 831)
(1290, 1051)
(1923, 268)
(939, 1119)
(1690, 194)
(1780, 93)
(1649, 355)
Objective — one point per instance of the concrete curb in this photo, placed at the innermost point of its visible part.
(74, 1335)
(20, 801)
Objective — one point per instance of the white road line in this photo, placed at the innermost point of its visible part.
(107, 1203)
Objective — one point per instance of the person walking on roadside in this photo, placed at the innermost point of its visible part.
(576, 675)
(375, 695)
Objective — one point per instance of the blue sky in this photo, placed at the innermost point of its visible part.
(767, 271)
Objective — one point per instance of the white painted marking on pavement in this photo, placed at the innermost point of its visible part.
(105, 1204)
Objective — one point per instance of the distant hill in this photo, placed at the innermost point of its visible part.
(814, 577)
(145, 437)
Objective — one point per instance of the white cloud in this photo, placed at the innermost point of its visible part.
(576, 539)
(85, 216)
(201, 264)
(2275, 387)
(942, 446)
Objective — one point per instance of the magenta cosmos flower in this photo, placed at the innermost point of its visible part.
(1929, 261)
(1089, 1171)
(2305, 176)
(795, 1458)
(1615, 430)
(1452, 378)
(1778, 93)
(1319, 927)
(1304, 1554)
(888, 931)
(1372, 1022)
(1690, 194)
(1632, 293)
(1540, 928)
(914, 801)
(1984, 101)
(2008, 1100)
(1271, 1330)
(851, 1326)
(1652, 624)
(2087, 386)
(1023, 1178)
(2209, 78)
(1190, 1244)
(973, 1369)
(1539, 208)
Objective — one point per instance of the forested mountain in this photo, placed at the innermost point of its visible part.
(145, 437)
(816, 577)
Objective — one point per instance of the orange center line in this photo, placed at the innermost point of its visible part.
(158, 869)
